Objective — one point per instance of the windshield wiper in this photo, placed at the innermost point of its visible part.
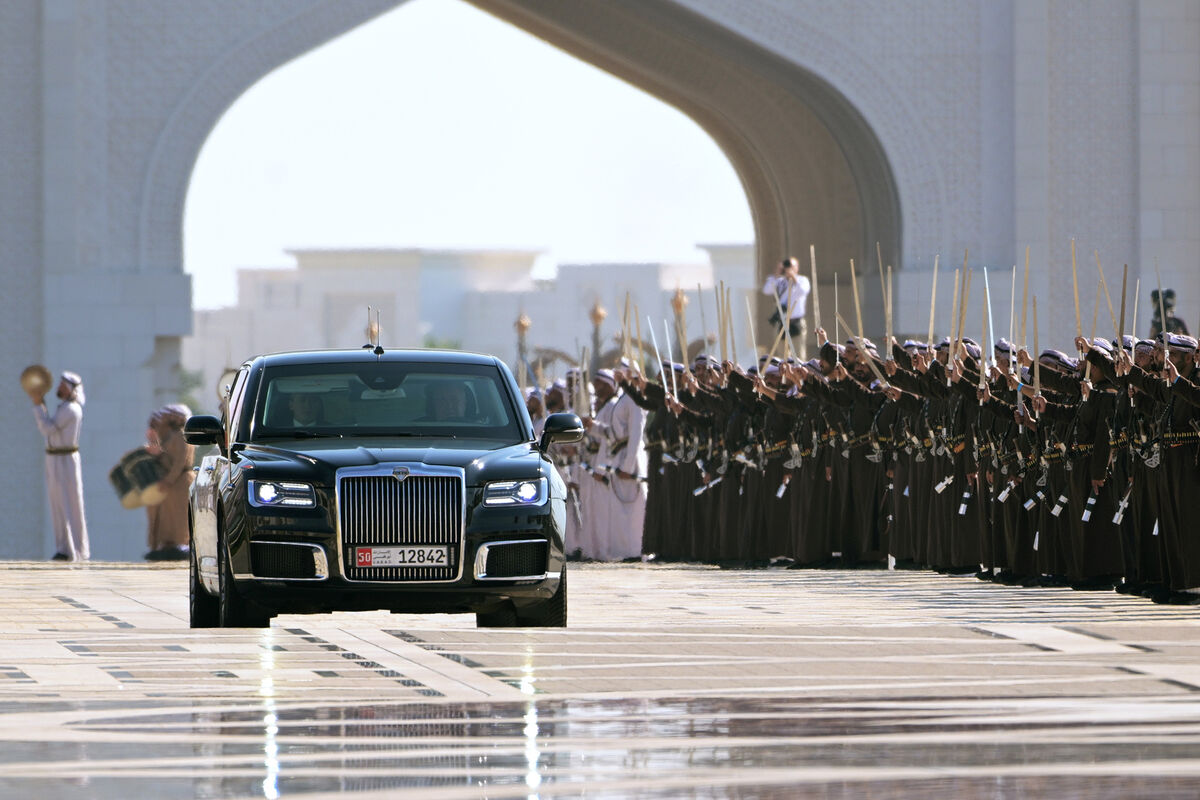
(303, 435)
(422, 435)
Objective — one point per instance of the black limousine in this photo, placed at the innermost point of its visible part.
(350, 480)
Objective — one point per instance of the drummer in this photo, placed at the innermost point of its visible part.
(63, 480)
(167, 522)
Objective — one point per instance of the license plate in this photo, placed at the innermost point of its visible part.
(402, 556)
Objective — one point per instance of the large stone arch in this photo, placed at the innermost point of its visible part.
(813, 168)
(196, 112)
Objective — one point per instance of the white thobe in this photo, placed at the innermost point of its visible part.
(64, 483)
(622, 502)
(590, 534)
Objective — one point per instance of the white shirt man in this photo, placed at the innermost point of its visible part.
(790, 289)
(64, 483)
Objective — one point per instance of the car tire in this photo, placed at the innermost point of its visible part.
(550, 613)
(235, 610)
(504, 616)
(204, 610)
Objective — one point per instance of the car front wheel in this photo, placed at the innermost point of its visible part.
(550, 613)
(235, 610)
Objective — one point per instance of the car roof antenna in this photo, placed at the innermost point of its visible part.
(373, 333)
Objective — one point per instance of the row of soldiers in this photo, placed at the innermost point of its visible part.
(1074, 471)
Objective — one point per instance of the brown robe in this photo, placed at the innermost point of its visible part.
(167, 522)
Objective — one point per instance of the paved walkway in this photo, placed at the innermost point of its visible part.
(670, 682)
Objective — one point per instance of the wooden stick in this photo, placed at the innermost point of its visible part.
(1075, 283)
(1107, 297)
(933, 298)
(1087, 370)
(1137, 299)
(1025, 301)
(626, 338)
(729, 324)
(783, 326)
(657, 353)
(962, 312)
(1121, 328)
(681, 332)
(750, 323)
(1037, 361)
(667, 335)
(703, 316)
(953, 317)
(812, 260)
(637, 314)
(857, 304)
(837, 331)
(867, 357)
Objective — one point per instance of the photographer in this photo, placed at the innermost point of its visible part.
(790, 289)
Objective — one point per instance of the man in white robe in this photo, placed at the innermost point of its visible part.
(621, 496)
(63, 480)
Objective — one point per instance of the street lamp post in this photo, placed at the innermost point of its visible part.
(522, 326)
(597, 316)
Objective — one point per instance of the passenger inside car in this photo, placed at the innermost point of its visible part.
(449, 401)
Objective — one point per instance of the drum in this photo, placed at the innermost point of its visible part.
(135, 478)
(123, 486)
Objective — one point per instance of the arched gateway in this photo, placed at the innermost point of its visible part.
(923, 129)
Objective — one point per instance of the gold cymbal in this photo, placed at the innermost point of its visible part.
(36, 380)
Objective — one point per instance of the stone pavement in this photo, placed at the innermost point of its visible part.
(670, 682)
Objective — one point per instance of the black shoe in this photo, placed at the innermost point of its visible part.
(1129, 588)
(60, 557)
(175, 553)
(985, 575)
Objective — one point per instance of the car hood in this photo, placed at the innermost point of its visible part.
(320, 459)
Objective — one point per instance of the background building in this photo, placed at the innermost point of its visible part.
(467, 299)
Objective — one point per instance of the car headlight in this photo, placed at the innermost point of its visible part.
(273, 494)
(515, 493)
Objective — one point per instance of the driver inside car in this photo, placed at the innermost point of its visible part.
(306, 410)
(448, 401)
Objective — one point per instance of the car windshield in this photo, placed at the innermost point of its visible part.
(385, 399)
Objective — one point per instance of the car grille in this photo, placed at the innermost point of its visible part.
(381, 511)
(517, 560)
(273, 560)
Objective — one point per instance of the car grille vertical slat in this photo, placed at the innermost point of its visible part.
(382, 511)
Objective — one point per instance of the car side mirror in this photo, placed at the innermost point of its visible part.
(203, 429)
(564, 427)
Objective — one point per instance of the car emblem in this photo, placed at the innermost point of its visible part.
(400, 473)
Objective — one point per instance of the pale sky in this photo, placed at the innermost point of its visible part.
(437, 125)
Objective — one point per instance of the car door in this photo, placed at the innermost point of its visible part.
(211, 476)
